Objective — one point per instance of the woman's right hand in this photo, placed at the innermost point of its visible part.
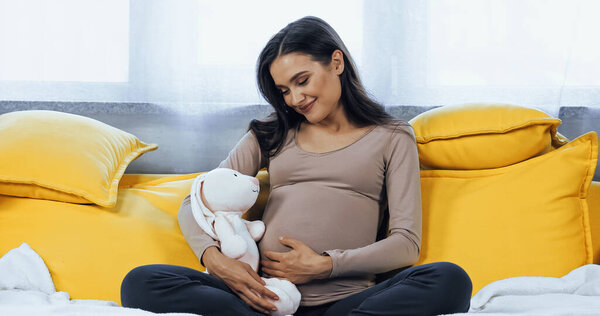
(240, 278)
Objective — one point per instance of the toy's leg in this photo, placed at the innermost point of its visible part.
(232, 245)
(289, 296)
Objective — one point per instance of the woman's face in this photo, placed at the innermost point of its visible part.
(307, 86)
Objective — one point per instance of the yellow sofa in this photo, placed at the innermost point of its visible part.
(508, 196)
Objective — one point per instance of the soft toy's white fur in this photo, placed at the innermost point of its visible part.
(228, 195)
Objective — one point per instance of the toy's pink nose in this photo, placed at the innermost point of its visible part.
(255, 181)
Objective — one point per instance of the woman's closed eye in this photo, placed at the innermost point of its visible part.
(300, 83)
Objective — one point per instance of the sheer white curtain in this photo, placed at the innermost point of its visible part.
(530, 52)
(188, 55)
(198, 55)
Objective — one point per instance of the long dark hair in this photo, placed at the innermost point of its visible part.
(314, 37)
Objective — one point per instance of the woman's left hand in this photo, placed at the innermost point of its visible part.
(299, 265)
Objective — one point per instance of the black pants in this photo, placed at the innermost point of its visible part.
(430, 289)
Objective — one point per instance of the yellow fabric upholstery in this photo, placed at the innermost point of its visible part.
(594, 207)
(482, 136)
(527, 219)
(88, 248)
(64, 157)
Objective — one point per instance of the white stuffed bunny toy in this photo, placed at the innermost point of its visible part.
(229, 194)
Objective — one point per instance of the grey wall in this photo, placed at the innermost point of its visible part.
(192, 143)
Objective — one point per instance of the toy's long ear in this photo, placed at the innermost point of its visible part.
(204, 217)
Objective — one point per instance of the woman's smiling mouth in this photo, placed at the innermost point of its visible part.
(305, 109)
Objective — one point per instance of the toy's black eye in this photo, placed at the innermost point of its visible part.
(235, 174)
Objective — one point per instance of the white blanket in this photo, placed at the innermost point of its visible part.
(577, 293)
(26, 289)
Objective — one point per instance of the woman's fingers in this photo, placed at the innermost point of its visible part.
(272, 268)
(256, 277)
(257, 300)
(265, 292)
(246, 283)
(253, 305)
(260, 288)
(291, 242)
(275, 256)
(270, 264)
(271, 272)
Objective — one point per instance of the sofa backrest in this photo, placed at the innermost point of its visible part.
(193, 141)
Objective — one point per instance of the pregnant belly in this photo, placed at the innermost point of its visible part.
(323, 218)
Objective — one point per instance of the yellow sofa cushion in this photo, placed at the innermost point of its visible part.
(483, 136)
(594, 208)
(64, 157)
(88, 248)
(527, 219)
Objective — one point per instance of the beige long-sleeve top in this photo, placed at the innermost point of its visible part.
(334, 202)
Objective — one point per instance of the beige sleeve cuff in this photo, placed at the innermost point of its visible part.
(335, 260)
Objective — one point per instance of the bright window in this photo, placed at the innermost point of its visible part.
(64, 40)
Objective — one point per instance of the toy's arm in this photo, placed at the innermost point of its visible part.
(232, 245)
(256, 229)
